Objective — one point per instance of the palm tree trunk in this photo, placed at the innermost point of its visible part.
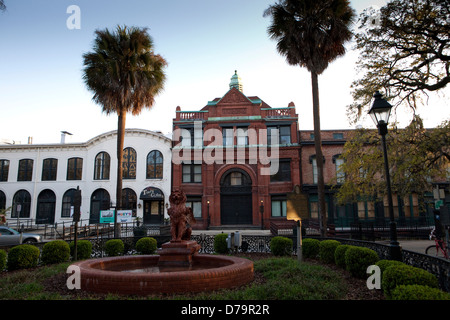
(120, 140)
(319, 155)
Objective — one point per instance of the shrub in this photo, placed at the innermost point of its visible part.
(55, 252)
(84, 249)
(418, 292)
(220, 243)
(357, 259)
(339, 255)
(384, 264)
(114, 247)
(2, 260)
(327, 249)
(146, 245)
(22, 257)
(397, 275)
(281, 246)
(310, 248)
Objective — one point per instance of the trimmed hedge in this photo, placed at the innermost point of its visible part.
(310, 248)
(23, 256)
(84, 249)
(339, 255)
(146, 245)
(281, 246)
(2, 259)
(357, 259)
(327, 249)
(418, 292)
(384, 264)
(397, 275)
(56, 251)
(114, 247)
(220, 243)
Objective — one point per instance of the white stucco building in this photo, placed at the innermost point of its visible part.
(37, 181)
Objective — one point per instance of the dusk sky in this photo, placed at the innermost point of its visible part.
(203, 41)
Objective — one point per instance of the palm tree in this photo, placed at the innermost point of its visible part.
(125, 75)
(311, 34)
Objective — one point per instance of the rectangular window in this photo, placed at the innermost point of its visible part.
(4, 170)
(25, 170)
(192, 173)
(284, 171)
(191, 137)
(338, 136)
(314, 169)
(340, 176)
(74, 168)
(228, 136)
(49, 169)
(242, 136)
(196, 205)
(278, 207)
(282, 132)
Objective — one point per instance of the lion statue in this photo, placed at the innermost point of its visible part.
(180, 216)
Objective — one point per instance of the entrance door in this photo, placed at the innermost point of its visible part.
(236, 198)
(100, 200)
(153, 212)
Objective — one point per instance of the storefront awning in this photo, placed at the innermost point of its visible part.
(151, 193)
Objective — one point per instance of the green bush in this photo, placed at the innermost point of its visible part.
(327, 249)
(114, 247)
(146, 245)
(281, 246)
(56, 251)
(384, 264)
(357, 259)
(2, 260)
(84, 249)
(22, 257)
(397, 275)
(339, 255)
(310, 248)
(418, 292)
(220, 243)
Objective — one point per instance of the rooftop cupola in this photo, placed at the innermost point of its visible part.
(236, 82)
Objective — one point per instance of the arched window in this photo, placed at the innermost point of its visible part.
(129, 200)
(74, 168)
(129, 163)
(21, 204)
(4, 169)
(100, 200)
(102, 164)
(49, 169)
(155, 165)
(2, 200)
(67, 202)
(25, 170)
(46, 207)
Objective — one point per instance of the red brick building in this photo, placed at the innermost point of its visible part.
(222, 155)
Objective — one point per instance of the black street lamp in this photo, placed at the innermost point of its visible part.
(380, 112)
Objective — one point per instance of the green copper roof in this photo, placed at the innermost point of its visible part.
(236, 82)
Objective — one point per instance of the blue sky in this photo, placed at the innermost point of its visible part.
(204, 41)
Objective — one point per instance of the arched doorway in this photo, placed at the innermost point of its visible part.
(100, 200)
(46, 207)
(153, 199)
(236, 198)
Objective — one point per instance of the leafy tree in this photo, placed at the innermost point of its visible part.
(2, 5)
(416, 156)
(311, 34)
(405, 52)
(125, 75)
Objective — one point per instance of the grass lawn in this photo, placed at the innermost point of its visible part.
(275, 279)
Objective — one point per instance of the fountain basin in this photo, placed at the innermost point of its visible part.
(127, 275)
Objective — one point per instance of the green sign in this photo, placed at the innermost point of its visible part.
(438, 204)
(106, 216)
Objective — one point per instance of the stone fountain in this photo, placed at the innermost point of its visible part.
(177, 268)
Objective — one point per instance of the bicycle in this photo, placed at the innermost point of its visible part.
(441, 249)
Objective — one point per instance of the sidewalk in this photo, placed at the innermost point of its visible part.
(412, 245)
